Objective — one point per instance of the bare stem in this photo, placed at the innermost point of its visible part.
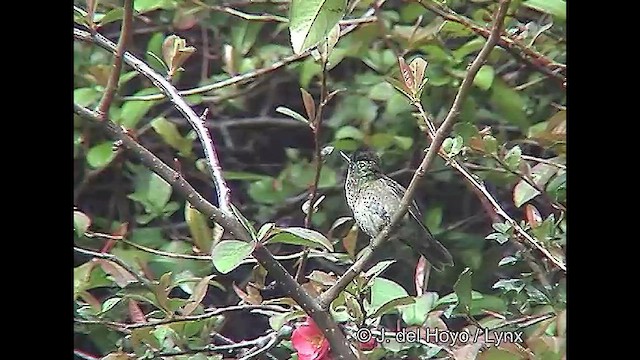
(114, 77)
(328, 296)
(317, 159)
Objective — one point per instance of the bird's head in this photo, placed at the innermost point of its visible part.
(363, 162)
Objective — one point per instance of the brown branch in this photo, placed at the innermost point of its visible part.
(114, 77)
(521, 52)
(333, 292)
(117, 260)
(323, 318)
(317, 158)
(181, 105)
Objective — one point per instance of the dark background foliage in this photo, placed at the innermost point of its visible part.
(267, 157)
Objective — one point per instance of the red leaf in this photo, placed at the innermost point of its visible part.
(120, 275)
(309, 105)
(533, 215)
(419, 277)
(136, 314)
(407, 74)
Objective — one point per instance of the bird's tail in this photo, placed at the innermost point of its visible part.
(425, 244)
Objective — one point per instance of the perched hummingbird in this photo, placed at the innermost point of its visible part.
(374, 198)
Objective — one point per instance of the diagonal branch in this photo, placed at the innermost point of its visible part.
(172, 93)
(521, 52)
(328, 296)
(114, 77)
(290, 287)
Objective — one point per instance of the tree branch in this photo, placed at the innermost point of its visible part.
(114, 77)
(521, 52)
(330, 329)
(175, 179)
(317, 158)
(328, 296)
(170, 91)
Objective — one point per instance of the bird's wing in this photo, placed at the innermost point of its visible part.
(399, 191)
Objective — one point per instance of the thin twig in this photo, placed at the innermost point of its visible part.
(206, 315)
(181, 105)
(544, 161)
(290, 287)
(175, 179)
(521, 52)
(327, 297)
(252, 74)
(317, 158)
(114, 77)
(117, 260)
(527, 179)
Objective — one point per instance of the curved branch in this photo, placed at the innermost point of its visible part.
(172, 93)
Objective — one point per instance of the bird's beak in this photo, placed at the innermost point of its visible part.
(345, 157)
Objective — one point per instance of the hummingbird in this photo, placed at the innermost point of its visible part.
(374, 198)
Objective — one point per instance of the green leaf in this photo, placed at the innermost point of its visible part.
(490, 144)
(462, 288)
(300, 236)
(383, 291)
(109, 304)
(111, 16)
(133, 111)
(501, 227)
(100, 155)
(557, 8)
(377, 269)
(81, 222)
(311, 20)
(244, 35)
(392, 305)
(265, 230)
(85, 96)
(509, 103)
(510, 285)
(269, 191)
(142, 6)
(513, 157)
(416, 313)
(292, 114)
(484, 78)
(349, 132)
(228, 254)
(200, 231)
(278, 320)
(245, 222)
(523, 191)
(170, 134)
(159, 192)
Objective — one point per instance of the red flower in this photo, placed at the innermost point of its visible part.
(309, 342)
(369, 345)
